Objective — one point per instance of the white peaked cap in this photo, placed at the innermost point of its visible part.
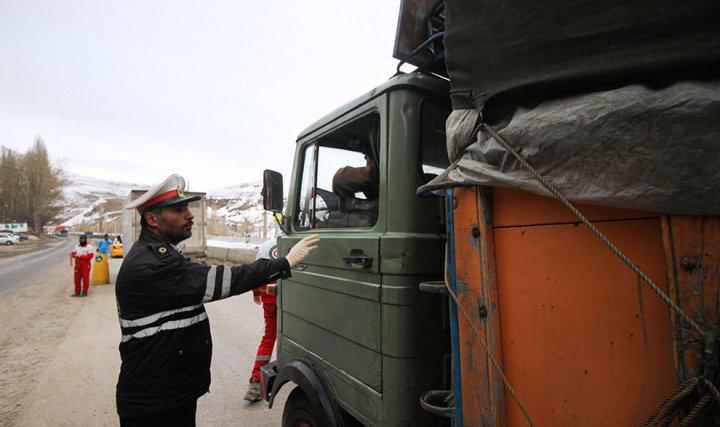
(167, 193)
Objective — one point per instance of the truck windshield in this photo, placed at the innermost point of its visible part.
(340, 177)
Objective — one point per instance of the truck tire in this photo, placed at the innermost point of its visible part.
(298, 411)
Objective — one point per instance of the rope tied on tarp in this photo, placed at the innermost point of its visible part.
(700, 388)
(551, 188)
(683, 396)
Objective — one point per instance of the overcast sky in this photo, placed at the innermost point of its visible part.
(217, 91)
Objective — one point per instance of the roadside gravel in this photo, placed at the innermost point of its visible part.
(60, 360)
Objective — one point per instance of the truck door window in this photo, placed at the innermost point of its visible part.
(433, 150)
(340, 178)
(307, 185)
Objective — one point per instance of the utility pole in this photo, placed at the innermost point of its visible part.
(265, 230)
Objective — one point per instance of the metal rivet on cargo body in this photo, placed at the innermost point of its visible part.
(688, 263)
(475, 232)
(482, 312)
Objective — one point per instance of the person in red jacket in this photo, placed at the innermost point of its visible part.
(83, 255)
(266, 296)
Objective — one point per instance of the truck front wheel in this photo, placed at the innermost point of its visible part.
(298, 411)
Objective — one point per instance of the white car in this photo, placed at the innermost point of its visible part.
(8, 239)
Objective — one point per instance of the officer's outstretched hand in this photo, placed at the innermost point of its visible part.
(302, 249)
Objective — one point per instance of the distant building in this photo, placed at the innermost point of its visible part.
(14, 227)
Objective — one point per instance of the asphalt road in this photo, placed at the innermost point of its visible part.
(23, 270)
(60, 359)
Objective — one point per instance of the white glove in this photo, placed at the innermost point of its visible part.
(302, 249)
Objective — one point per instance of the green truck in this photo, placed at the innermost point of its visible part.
(598, 98)
(355, 333)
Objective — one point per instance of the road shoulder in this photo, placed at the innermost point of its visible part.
(59, 354)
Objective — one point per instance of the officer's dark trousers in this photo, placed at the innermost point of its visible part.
(182, 416)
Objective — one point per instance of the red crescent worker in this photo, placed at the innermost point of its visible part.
(264, 295)
(83, 255)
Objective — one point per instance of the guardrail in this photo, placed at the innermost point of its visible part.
(231, 255)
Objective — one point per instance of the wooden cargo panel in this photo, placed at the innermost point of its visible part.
(584, 342)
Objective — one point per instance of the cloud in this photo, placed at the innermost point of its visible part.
(217, 91)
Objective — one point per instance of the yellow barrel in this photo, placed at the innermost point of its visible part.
(100, 270)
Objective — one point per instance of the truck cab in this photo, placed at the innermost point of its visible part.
(356, 335)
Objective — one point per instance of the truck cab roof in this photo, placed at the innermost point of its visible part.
(415, 80)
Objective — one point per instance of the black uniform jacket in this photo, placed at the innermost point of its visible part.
(166, 346)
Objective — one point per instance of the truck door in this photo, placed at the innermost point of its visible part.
(331, 307)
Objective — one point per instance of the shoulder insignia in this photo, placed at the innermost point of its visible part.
(160, 250)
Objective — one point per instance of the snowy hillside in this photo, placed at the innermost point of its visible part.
(96, 204)
(237, 203)
(83, 188)
(87, 199)
(237, 210)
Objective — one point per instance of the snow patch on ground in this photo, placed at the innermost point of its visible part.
(232, 245)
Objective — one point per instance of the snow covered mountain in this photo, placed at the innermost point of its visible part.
(87, 200)
(237, 203)
(237, 210)
(96, 204)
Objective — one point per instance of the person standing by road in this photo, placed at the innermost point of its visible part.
(266, 296)
(82, 255)
(103, 246)
(166, 347)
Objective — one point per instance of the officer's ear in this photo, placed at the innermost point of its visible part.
(152, 217)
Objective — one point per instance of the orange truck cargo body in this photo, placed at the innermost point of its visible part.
(580, 337)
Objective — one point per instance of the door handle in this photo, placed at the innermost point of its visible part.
(359, 261)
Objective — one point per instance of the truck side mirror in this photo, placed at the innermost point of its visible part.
(272, 191)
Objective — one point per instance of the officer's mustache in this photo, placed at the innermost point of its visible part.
(189, 224)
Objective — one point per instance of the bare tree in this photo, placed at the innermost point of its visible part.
(45, 183)
(12, 204)
(30, 187)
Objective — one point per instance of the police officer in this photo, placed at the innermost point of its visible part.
(166, 345)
